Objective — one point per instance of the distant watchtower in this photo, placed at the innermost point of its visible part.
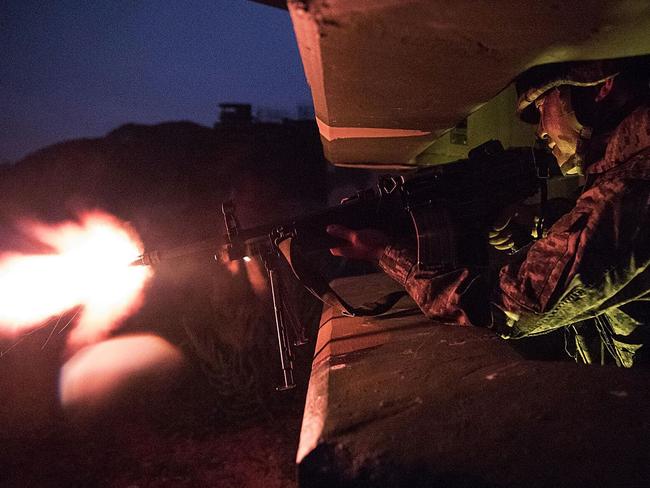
(235, 113)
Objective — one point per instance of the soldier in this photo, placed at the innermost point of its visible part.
(589, 275)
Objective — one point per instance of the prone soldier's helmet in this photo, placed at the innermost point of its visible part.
(535, 82)
(584, 79)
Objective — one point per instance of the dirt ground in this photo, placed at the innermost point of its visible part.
(182, 443)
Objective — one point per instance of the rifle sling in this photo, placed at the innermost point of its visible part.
(316, 284)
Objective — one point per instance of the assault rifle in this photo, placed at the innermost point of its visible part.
(415, 205)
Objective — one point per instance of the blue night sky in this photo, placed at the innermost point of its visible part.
(73, 69)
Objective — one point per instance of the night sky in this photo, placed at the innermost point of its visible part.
(73, 69)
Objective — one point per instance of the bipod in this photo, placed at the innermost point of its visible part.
(284, 345)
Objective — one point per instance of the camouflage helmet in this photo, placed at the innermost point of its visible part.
(538, 80)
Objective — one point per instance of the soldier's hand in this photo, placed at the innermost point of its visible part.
(515, 228)
(365, 245)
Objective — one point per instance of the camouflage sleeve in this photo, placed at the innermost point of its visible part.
(445, 295)
(593, 260)
(589, 256)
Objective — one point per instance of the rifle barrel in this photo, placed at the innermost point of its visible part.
(152, 258)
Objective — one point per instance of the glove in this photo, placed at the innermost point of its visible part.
(521, 224)
(515, 228)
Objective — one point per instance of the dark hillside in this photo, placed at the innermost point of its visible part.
(169, 179)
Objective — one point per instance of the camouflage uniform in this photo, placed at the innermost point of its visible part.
(589, 275)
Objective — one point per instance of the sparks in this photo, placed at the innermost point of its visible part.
(88, 267)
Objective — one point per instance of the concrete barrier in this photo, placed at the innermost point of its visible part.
(399, 400)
